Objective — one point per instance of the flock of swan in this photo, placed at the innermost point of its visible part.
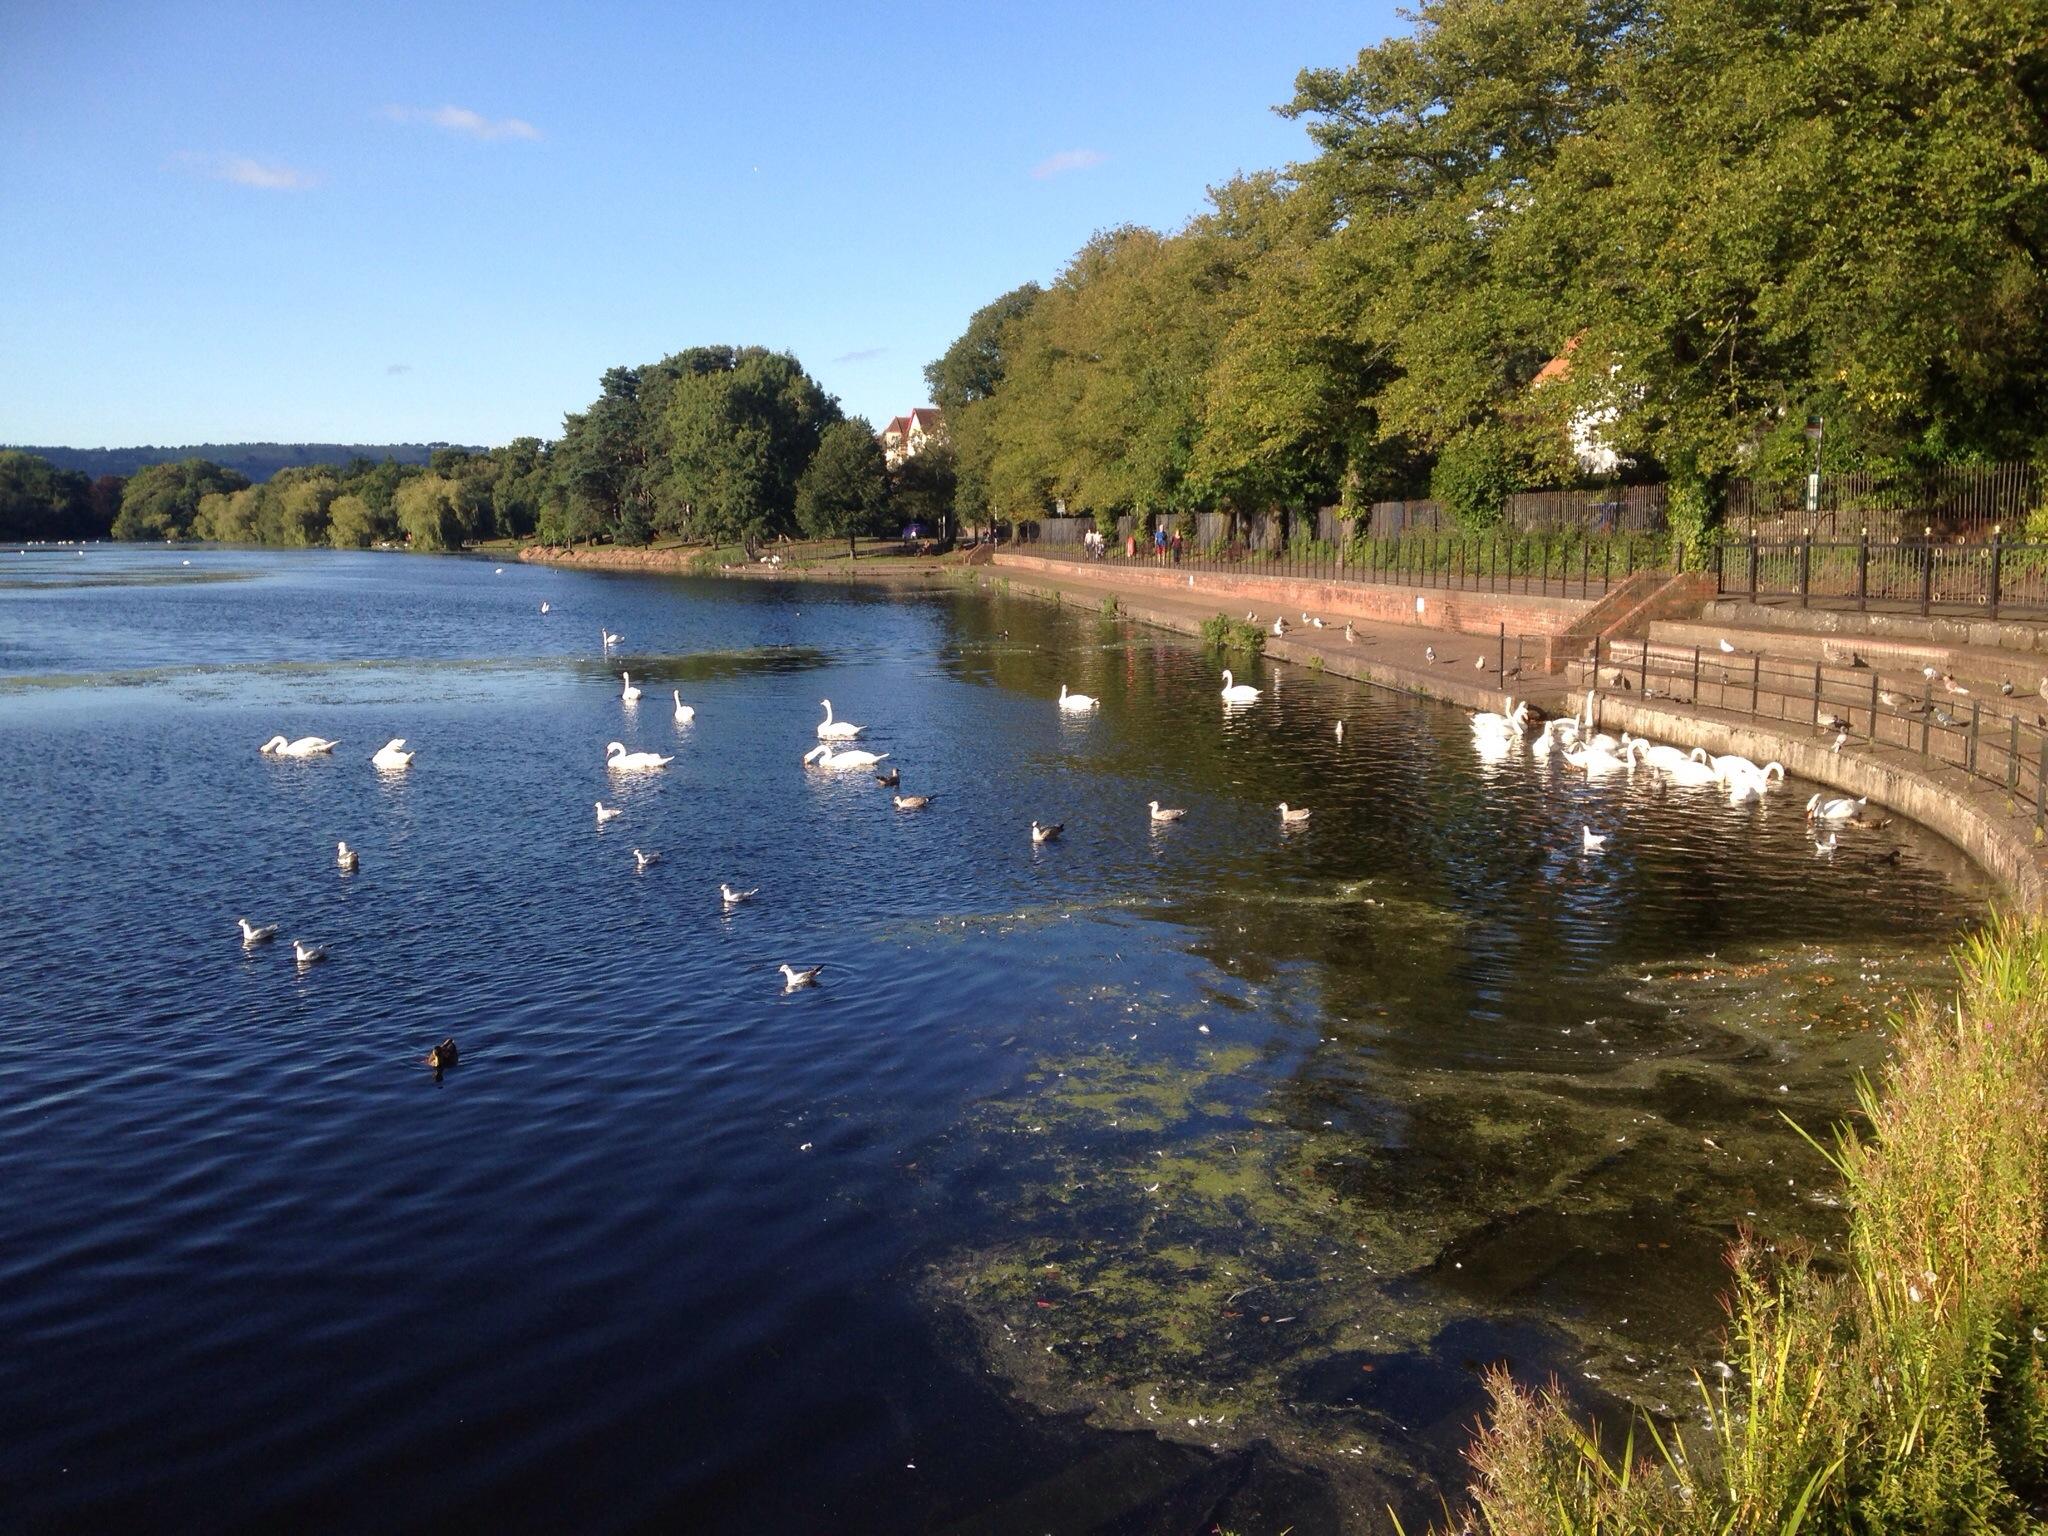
(1595, 753)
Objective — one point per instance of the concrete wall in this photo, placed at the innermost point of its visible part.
(1910, 629)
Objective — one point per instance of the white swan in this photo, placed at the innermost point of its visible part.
(629, 693)
(1691, 774)
(1514, 723)
(684, 713)
(543, 607)
(305, 746)
(1235, 692)
(825, 758)
(606, 812)
(393, 754)
(252, 935)
(1668, 758)
(1593, 758)
(345, 856)
(609, 637)
(619, 760)
(1077, 702)
(1818, 809)
(837, 730)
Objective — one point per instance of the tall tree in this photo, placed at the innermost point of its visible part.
(844, 491)
(161, 500)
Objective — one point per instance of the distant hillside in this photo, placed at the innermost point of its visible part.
(259, 461)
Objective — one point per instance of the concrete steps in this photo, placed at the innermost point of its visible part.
(1901, 662)
(1861, 628)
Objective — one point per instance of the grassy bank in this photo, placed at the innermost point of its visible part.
(1905, 1389)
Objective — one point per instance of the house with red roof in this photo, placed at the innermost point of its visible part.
(907, 436)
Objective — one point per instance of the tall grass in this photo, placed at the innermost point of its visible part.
(1908, 1392)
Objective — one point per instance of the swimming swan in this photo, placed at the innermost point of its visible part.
(837, 730)
(609, 637)
(684, 713)
(629, 693)
(1235, 692)
(832, 762)
(1514, 723)
(1077, 702)
(1818, 809)
(619, 760)
(393, 754)
(305, 746)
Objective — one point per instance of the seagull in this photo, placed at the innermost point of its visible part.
(733, 898)
(1280, 626)
(912, 802)
(792, 978)
(1168, 815)
(345, 856)
(1838, 742)
(1727, 649)
(1047, 834)
(252, 935)
(642, 860)
(1429, 654)
(1479, 663)
(1293, 818)
(1592, 841)
(308, 954)
(2005, 688)
(1351, 637)
(443, 1056)
(606, 812)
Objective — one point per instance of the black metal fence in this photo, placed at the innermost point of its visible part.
(1544, 566)
(1999, 740)
(1922, 575)
(1953, 499)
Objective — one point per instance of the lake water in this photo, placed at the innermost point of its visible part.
(1151, 1178)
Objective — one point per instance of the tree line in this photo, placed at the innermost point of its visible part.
(1718, 225)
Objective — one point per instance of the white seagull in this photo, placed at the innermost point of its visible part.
(733, 898)
(345, 856)
(1293, 818)
(252, 935)
(606, 812)
(1166, 815)
(1592, 841)
(793, 978)
(307, 954)
(642, 860)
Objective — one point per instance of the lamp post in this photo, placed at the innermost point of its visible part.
(1815, 426)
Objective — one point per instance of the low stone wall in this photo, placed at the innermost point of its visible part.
(1906, 629)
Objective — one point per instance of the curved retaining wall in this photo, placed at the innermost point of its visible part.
(1974, 815)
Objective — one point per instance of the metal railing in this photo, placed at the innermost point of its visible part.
(1999, 740)
(1540, 566)
(1921, 575)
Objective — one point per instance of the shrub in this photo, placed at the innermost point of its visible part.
(1220, 632)
(1473, 478)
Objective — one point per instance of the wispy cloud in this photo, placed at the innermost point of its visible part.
(865, 355)
(1067, 160)
(462, 120)
(397, 368)
(264, 175)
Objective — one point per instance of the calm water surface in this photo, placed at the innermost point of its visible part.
(1152, 1178)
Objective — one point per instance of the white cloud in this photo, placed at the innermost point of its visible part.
(462, 120)
(1067, 160)
(265, 176)
(865, 355)
(395, 368)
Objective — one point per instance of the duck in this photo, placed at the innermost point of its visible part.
(1235, 692)
(305, 746)
(823, 757)
(629, 693)
(1166, 815)
(684, 712)
(1077, 703)
(606, 812)
(1591, 841)
(794, 978)
(643, 861)
(733, 898)
(912, 802)
(1818, 809)
(392, 755)
(890, 779)
(308, 954)
(253, 935)
(443, 1056)
(619, 760)
(837, 730)
(1293, 817)
(345, 856)
(1047, 834)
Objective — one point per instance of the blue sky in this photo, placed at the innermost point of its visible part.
(394, 222)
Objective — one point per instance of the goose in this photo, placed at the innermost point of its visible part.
(629, 693)
(1235, 692)
(912, 802)
(793, 978)
(1077, 702)
(1818, 809)
(619, 760)
(1166, 815)
(543, 607)
(393, 754)
(1591, 841)
(1047, 834)
(443, 1056)
(890, 779)
(643, 861)
(1293, 818)
(308, 954)
(606, 812)
(837, 730)
(345, 856)
(305, 746)
(733, 898)
(825, 758)
(252, 935)
(684, 712)
(609, 638)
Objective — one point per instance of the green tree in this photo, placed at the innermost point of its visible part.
(40, 501)
(351, 524)
(429, 512)
(844, 491)
(739, 427)
(161, 500)
(922, 489)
